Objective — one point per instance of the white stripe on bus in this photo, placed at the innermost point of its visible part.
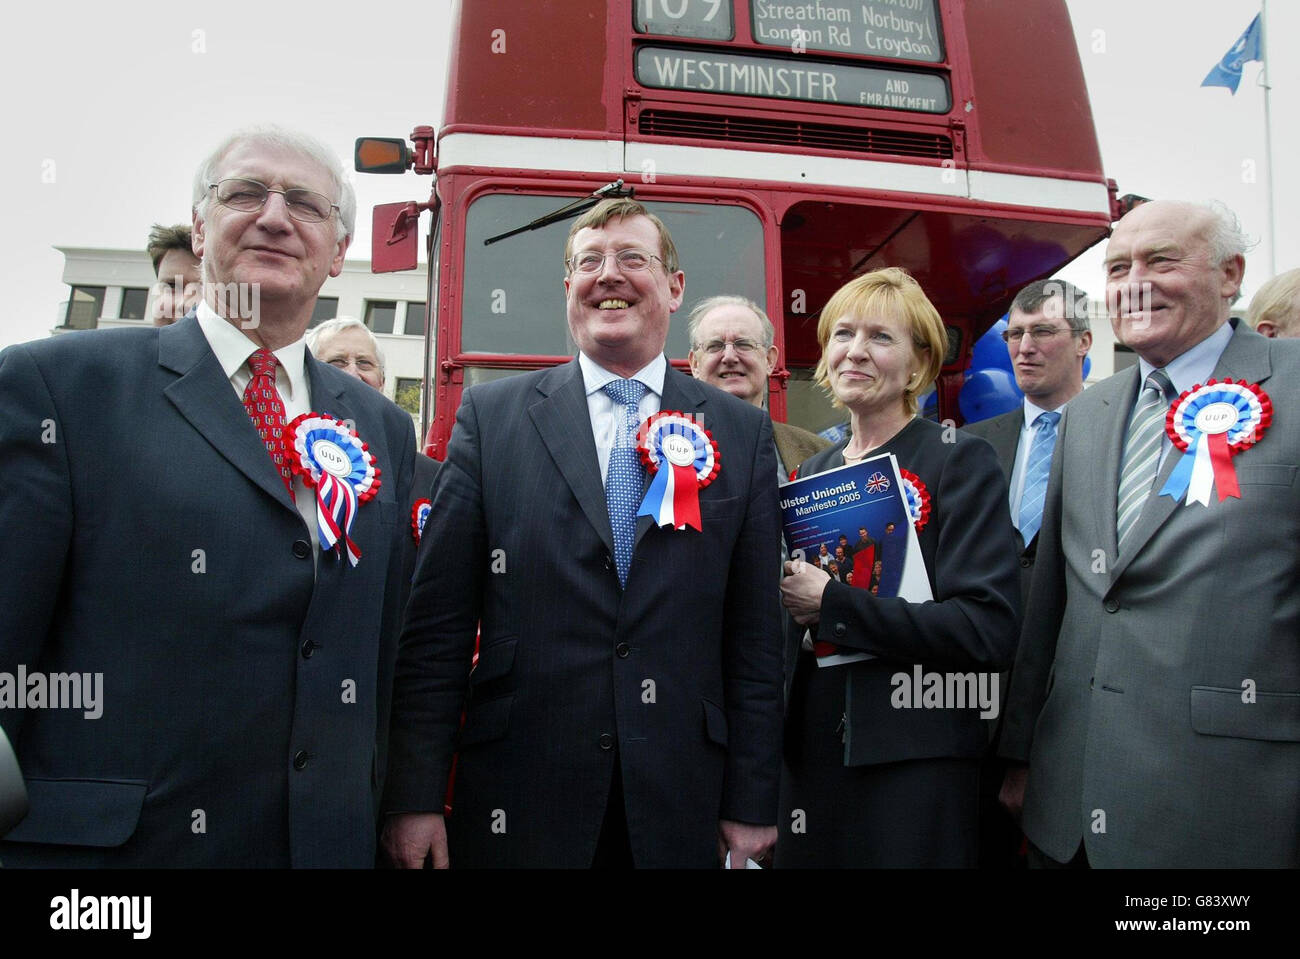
(607, 156)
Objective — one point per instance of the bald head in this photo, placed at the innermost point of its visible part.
(1173, 270)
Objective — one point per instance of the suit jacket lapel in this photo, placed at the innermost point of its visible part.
(1005, 438)
(681, 393)
(564, 424)
(1108, 451)
(204, 396)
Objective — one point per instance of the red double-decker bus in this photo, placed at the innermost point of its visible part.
(788, 146)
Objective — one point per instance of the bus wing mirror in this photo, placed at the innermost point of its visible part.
(381, 155)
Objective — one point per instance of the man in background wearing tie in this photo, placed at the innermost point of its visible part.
(1047, 336)
(626, 704)
(1156, 690)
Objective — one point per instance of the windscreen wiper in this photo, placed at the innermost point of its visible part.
(568, 211)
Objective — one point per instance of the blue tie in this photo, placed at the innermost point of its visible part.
(623, 478)
(1037, 467)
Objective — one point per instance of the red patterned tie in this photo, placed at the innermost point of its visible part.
(262, 401)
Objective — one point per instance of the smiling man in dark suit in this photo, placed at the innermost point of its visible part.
(156, 534)
(626, 705)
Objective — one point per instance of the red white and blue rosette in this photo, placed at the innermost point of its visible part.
(419, 513)
(683, 458)
(1211, 424)
(917, 497)
(331, 457)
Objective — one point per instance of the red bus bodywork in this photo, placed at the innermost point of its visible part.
(1004, 187)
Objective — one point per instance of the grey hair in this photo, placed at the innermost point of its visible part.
(711, 303)
(1225, 237)
(328, 329)
(285, 139)
(1074, 302)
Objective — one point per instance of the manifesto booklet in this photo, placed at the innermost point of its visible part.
(859, 523)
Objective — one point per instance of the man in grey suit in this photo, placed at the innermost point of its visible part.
(626, 704)
(1156, 692)
(1047, 336)
(156, 537)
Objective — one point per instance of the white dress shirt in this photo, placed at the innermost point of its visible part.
(1032, 412)
(232, 349)
(606, 414)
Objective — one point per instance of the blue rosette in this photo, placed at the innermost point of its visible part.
(330, 456)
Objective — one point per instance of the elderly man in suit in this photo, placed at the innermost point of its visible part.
(1156, 685)
(626, 704)
(1047, 336)
(733, 347)
(160, 535)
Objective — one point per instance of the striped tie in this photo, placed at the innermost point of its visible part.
(623, 475)
(1037, 468)
(1142, 452)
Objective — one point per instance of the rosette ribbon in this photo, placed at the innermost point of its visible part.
(330, 457)
(917, 497)
(683, 458)
(1211, 424)
(419, 513)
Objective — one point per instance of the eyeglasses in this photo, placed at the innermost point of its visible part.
(247, 196)
(1039, 334)
(629, 261)
(714, 347)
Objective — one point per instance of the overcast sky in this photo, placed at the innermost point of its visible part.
(108, 109)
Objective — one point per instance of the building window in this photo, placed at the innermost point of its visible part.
(327, 307)
(407, 395)
(380, 315)
(415, 318)
(84, 307)
(133, 304)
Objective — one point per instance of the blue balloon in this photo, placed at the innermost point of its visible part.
(988, 393)
(1087, 366)
(990, 352)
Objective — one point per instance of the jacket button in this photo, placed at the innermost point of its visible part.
(1112, 605)
(622, 649)
(1026, 562)
(301, 548)
(840, 629)
(308, 647)
(608, 561)
(606, 741)
(300, 759)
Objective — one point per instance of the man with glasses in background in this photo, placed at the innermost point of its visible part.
(626, 705)
(161, 537)
(733, 348)
(1047, 336)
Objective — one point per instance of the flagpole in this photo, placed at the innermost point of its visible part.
(1268, 134)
